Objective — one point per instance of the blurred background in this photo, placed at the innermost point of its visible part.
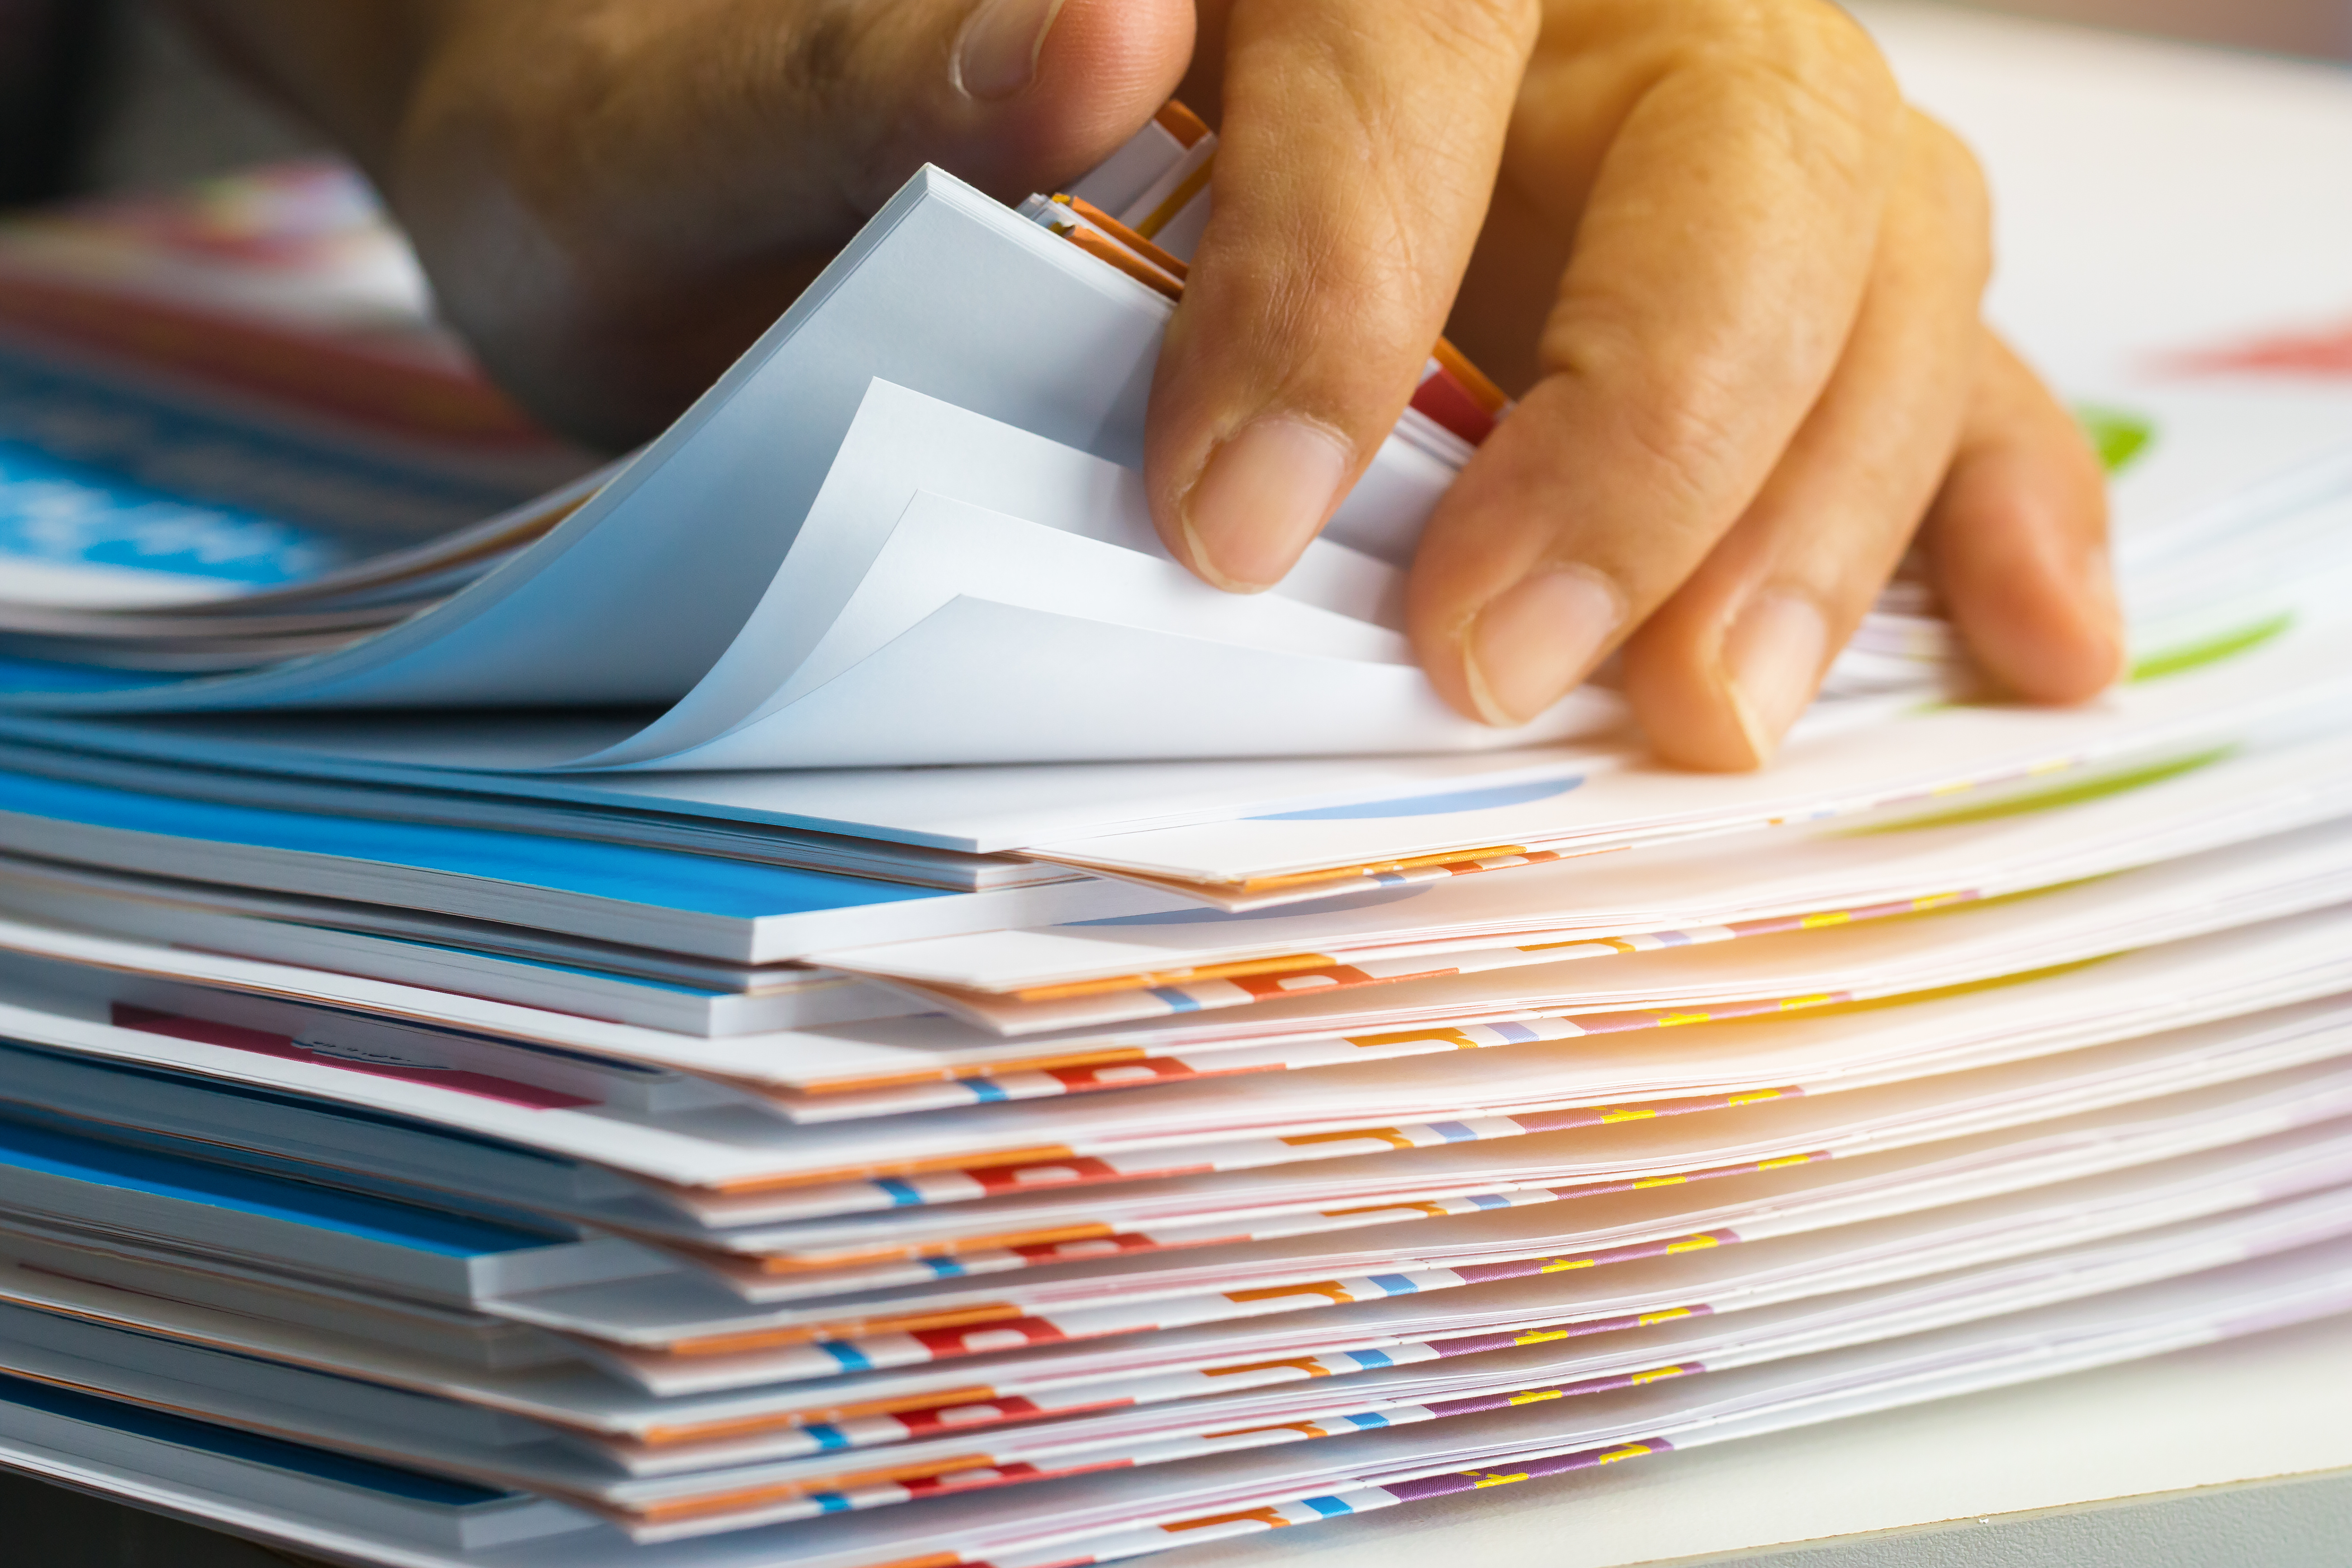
(110, 94)
(2318, 27)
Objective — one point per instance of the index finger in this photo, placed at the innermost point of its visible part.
(1357, 150)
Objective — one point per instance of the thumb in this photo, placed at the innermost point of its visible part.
(1044, 89)
(613, 200)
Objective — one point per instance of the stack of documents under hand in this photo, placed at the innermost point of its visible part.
(503, 1062)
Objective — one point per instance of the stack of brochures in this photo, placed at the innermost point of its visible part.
(809, 996)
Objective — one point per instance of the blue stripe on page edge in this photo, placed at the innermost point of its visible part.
(669, 880)
(1444, 803)
(113, 1165)
(409, 1486)
(292, 1168)
(23, 676)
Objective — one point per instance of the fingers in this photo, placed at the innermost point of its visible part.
(1719, 673)
(2017, 540)
(1718, 268)
(1357, 146)
(614, 198)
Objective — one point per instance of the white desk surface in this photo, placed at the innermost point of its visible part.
(2274, 1404)
(2152, 194)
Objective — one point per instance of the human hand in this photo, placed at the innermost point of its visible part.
(615, 197)
(1733, 278)
(1734, 281)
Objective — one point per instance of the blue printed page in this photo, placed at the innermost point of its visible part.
(167, 835)
(114, 495)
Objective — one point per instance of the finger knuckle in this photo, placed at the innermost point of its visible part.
(1821, 49)
(1484, 41)
(1951, 165)
(1949, 189)
(1686, 430)
(814, 59)
(1809, 67)
(1681, 419)
(1848, 67)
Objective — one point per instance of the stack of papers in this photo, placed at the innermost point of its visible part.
(539, 1041)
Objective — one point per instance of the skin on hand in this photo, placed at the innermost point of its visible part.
(615, 197)
(1731, 277)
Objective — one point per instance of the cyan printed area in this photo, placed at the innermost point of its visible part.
(20, 677)
(96, 471)
(65, 513)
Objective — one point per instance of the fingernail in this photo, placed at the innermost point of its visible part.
(1260, 498)
(1536, 639)
(1774, 654)
(997, 53)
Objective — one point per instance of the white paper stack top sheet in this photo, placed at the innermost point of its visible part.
(505, 1061)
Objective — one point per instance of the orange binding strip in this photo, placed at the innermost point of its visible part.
(976, 1394)
(1473, 381)
(1373, 868)
(846, 1328)
(1286, 963)
(1103, 248)
(1181, 123)
(1049, 1236)
(1168, 262)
